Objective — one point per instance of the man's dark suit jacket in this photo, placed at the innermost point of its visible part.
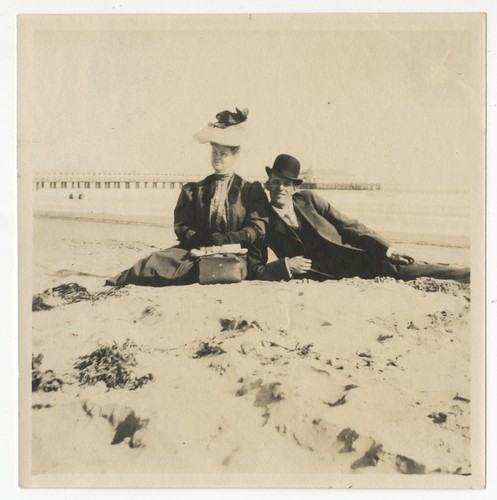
(337, 245)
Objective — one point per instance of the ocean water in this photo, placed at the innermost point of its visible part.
(405, 216)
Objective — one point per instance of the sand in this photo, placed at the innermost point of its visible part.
(287, 384)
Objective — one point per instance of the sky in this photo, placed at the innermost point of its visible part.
(391, 99)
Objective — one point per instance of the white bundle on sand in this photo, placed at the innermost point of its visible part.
(222, 249)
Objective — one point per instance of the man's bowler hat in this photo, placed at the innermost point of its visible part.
(286, 166)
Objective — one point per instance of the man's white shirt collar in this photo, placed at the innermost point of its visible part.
(287, 212)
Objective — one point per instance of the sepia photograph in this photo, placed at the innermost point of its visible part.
(252, 250)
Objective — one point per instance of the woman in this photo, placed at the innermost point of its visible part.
(221, 209)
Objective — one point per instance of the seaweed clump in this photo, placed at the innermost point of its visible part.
(70, 293)
(45, 381)
(112, 365)
(207, 349)
(435, 285)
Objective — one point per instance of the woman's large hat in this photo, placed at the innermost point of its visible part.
(286, 166)
(228, 130)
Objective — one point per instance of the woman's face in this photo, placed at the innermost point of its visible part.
(222, 158)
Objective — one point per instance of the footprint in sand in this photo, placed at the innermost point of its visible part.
(150, 315)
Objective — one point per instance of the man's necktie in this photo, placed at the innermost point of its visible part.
(290, 220)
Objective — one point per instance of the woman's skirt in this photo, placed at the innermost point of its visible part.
(173, 266)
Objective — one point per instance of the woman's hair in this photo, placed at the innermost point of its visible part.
(234, 149)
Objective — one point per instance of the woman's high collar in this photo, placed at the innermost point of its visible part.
(223, 177)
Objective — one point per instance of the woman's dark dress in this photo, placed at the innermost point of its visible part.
(246, 221)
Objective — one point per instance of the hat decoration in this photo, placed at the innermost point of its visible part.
(228, 130)
(227, 118)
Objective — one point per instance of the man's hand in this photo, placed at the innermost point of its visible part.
(397, 258)
(299, 265)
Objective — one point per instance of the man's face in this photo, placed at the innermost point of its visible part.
(222, 159)
(280, 190)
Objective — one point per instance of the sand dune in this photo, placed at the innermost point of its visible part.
(350, 377)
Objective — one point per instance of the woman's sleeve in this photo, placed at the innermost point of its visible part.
(184, 217)
(256, 218)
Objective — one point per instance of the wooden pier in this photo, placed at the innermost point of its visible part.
(367, 186)
(93, 180)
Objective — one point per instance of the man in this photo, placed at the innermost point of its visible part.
(311, 239)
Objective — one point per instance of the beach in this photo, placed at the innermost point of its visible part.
(259, 383)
